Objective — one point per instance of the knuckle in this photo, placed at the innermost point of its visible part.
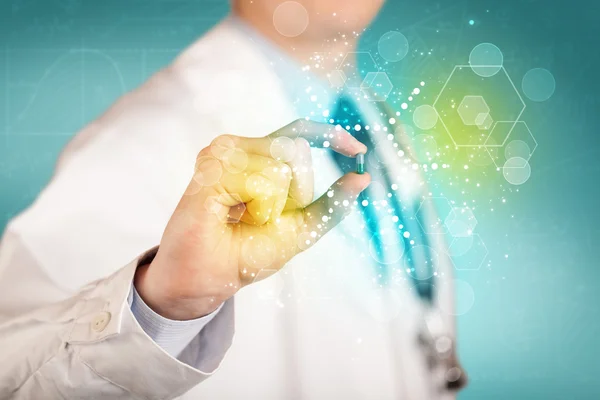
(223, 138)
(225, 141)
(204, 155)
(204, 152)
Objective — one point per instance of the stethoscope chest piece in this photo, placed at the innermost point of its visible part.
(439, 350)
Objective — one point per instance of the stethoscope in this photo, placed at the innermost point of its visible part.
(437, 344)
(434, 339)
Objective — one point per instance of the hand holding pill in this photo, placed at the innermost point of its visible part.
(248, 209)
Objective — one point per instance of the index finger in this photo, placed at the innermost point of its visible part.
(315, 133)
(319, 134)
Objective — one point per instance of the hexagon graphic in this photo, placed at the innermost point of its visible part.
(472, 108)
(468, 253)
(461, 222)
(337, 79)
(468, 105)
(376, 86)
(484, 121)
(355, 66)
(510, 139)
(438, 206)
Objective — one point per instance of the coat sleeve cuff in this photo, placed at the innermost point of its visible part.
(109, 339)
(173, 336)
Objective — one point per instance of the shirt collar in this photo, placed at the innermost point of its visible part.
(311, 96)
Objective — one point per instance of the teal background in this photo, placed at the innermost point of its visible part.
(533, 331)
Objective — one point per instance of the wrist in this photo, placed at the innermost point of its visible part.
(169, 303)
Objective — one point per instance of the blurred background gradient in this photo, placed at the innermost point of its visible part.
(533, 330)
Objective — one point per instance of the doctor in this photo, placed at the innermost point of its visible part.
(241, 222)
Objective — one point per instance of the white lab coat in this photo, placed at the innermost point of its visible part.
(318, 330)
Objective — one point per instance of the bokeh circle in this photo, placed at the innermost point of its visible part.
(425, 117)
(208, 171)
(538, 84)
(283, 149)
(516, 170)
(393, 46)
(386, 247)
(517, 148)
(426, 268)
(290, 19)
(486, 60)
(235, 160)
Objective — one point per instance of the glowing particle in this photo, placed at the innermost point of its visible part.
(346, 203)
(434, 166)
(357, 127)
(326, 143)
(404, 106)
(417, 91)
(471, 22)
(392, 121)
(365, 203)
(406, 234)
(330, 193)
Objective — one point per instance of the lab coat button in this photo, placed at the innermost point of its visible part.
(100, 321)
